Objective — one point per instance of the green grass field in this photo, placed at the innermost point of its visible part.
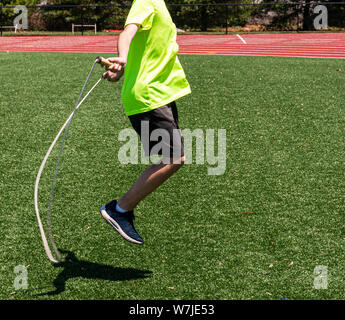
(255, 232)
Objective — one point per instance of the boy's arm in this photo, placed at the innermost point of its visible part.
(115, 72)
(125, 40)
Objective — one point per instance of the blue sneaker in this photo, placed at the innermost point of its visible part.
(121, 222)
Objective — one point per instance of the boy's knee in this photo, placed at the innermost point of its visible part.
(179, 162)
(175, 162)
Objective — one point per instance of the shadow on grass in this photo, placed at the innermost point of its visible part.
(74, 268)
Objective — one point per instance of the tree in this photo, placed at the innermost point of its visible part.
(205, 14)
(297, 13)
(7, 14)
(58, 15)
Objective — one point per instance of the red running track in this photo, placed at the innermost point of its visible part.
(312, 45)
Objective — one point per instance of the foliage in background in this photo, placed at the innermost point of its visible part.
(190, 15)
(295, 14)
(7, 14)
(111, 16)
(208, 15)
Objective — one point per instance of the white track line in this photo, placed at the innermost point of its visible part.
(241, 38)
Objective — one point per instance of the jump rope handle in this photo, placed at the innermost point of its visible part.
(103, 62)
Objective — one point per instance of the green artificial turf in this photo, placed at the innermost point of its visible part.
(255, 232)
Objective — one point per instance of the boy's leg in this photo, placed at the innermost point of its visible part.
(119, 214)
(165, 118)
(149, 181)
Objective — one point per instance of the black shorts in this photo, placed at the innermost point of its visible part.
(159, 131)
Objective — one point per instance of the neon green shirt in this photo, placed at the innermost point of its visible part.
(153, 75)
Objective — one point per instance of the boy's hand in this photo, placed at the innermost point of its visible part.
(116, 70)
(118, 63)
(113, 76)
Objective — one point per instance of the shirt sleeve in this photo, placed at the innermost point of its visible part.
(141, 13)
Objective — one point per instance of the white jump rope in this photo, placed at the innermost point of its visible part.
(66, 125)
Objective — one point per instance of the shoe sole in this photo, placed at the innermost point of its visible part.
(116, 226)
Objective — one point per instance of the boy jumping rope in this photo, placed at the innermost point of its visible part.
(153, 80)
